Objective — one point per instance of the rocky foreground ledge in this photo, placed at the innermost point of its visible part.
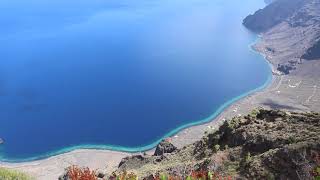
(265, 144)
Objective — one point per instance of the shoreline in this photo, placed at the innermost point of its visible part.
(172, 133)
(95, 157)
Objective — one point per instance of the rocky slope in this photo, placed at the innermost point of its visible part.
(266, 144)
(290, 32)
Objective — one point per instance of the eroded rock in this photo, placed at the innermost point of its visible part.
(164, 147)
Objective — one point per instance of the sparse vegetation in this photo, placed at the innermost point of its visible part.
(248, 158)
(216, 148)
(7, 174)
(124, 176)
(292, 140)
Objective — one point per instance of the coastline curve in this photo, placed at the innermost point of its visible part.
(150, 146)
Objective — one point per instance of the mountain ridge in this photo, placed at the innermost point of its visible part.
(290, 31)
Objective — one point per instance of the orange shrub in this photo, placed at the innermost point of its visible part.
(76, 173)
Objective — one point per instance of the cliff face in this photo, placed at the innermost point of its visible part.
(290, 32)
(262, 145)
(273, 14)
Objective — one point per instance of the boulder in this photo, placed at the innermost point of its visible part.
(164, 147)
(100, 174)
(134, 161)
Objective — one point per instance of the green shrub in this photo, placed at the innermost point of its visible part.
(254, 113)
(248, 158)
(216, 148)
(292, 140)
(234, 123)
(210, 175)
(270, 176)
(6, 174)
(226, 147)
(164, 177)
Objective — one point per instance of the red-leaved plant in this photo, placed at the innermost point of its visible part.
(76, 173)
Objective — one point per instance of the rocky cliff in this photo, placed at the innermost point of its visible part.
(266, 144)
(290, 32)
(273, 14)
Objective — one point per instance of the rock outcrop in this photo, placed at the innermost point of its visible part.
(135, 161)
(164, 147)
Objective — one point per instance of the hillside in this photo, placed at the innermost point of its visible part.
(275, 13)
(290, 32)
(263, 144)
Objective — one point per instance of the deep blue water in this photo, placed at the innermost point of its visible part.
(118, 72)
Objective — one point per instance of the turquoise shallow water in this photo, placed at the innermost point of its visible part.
(119, 75)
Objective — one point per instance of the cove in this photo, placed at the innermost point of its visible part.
(119, 75)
